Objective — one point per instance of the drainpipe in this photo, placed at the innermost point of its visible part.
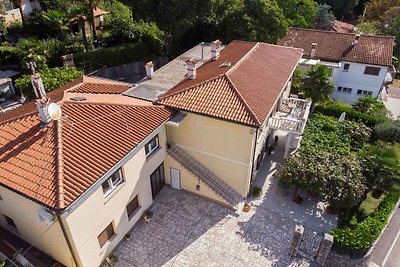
(69, 244)
(254, 155)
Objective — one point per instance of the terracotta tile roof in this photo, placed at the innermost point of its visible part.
(99, 88)
(243, 92)
(334, 46)
(56, 164)
(343, 27)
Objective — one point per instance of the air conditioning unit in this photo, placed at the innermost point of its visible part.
(46, 217)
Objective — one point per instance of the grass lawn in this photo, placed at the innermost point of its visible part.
(369, 204)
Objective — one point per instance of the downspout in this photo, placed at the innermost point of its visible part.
(252, 162)
(63, 229)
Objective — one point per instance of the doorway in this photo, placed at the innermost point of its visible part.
(157, 180)
(175, 178)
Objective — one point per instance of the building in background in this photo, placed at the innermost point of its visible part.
(13, 13)
(360, 64)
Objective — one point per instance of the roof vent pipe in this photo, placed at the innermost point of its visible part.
(149, 69)
(191, 68)
(356, 40)
(313, 49)
(215, 48)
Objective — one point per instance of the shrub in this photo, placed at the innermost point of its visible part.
(388, 131)
(256, 191)
(361, 238)
(52, 79)
(335, 109)
(116, 55)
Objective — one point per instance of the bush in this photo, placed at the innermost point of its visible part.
(52, 79)
(116, 55)
(361, 238)
(335, 109)
(256, 191)
(388, 131)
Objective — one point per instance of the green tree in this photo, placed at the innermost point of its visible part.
(325, 19)
(368, 27)
(297, 81)
(52, 79)
(299, 13)
(120, 22)
(318, 85)
(3, 28)
(341, 8)
(375, 9)
(394, 30)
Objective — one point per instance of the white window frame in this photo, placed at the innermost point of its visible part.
(151, 149)
(112, 185)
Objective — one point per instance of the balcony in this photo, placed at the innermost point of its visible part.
(291, 116)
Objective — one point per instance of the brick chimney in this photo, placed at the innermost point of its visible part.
(215, 48)
(68, 60)
(149, 69)
(191, 68)
(356, 40)
(313, 49)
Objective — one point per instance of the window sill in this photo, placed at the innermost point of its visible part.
(139, 208)
(148, 157)
(110, 195)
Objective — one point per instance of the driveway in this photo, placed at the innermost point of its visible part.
(190, 231)
(392, 99)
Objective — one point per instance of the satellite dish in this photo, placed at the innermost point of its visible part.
(54, 111)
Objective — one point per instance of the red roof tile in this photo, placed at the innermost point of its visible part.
(245, 92)
(54, 165)
(334, 46)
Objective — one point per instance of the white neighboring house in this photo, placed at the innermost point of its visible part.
(13, 14)
(360, 64)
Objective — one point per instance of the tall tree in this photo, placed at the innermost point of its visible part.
(325, 18)
(375, 9)
(341, 8)
(318, 85)
(299, 13)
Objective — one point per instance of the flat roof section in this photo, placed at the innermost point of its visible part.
(169, 75)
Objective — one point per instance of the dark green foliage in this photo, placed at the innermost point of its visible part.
(388, 131)
(52, 79)
(361, 238)
(297, 82)
(325, 19)
(317, 84)
(256, 191)
(299, 13)
(341, 8)
(117, 55)
(377, 115)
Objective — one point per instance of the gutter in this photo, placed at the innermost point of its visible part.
(67, 240)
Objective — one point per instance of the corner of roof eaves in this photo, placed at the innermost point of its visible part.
(60, 203)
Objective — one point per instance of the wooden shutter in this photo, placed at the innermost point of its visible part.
(106, 234)
(132, 206)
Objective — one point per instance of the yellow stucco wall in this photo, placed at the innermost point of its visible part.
(23, 211)
(90, 218)
(189, 181)
(223, 147)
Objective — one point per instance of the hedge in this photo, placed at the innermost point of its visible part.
(337, 108)
(115, 56)
(361, 238)
(388, 131)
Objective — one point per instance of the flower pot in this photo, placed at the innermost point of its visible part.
(246, 208)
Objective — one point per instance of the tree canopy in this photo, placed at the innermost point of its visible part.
(341, 8)
(318, 85)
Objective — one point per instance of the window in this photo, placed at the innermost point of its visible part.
(157, 180)
(364, 92)
(132, 206)
(346, 67)
(151, 146)
(345, 89)
(112, 182)
(10, 221)
(372, 71)
(106, 235)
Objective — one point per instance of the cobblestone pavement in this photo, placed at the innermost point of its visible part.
(190, 231)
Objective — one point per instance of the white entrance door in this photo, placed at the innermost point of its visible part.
(175, 178)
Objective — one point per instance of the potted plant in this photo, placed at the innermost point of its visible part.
(147, 216)
(112, 260)
(128, 237)
(246, 207)
(256, 191)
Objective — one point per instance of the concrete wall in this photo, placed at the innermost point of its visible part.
(223, 147)
(23, 211)
(191, 183)
(91, 217)
(356, 79)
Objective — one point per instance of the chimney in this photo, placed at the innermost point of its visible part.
(42, 102)
(215, 48)
(356, 40)
(191, 68)
(149, 69)
(68, 60)
(313, 49)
